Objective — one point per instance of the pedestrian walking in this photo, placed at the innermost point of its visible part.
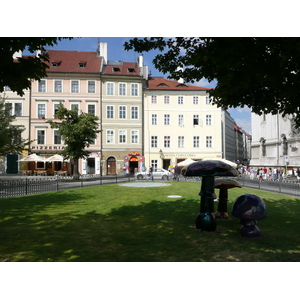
(177, 173)
(150, 174)
(298, 174)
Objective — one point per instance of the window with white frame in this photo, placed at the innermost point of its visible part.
(110, 88)
(57, 137)
(208, 141)
(109, 111)
(14, 108)
(122, 89)
(55, 109)
(154, 119)
(208, 120)
(134, 136)
(153, 99)
(109, 136)
(195, 100)
(154, 163)
(166, 119)
(122, 136)
(181, 141)
(167, 141)
(75, 106)
(40, 137)
(134, 112)
(134, 89)
(207, 100)
(17, 109)
(91, 86)
(41, 110)
(42, 86)
(74, 86)
(92, 109)
(196, 141)
(180, 100)
(180, 120)
(166, 99)
(57, 86)
(196, 120)
(122, 112)
(154, 141)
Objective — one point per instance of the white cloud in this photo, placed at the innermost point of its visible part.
(241, 110)
(205, 83)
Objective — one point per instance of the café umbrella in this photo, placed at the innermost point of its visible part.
(186, 162)
(32, 157)
(56, 157)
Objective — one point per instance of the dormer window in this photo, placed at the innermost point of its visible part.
(56, 63)
(162, 84)
(131, 70)
(181, 85)
(116, 69)
(82, 64)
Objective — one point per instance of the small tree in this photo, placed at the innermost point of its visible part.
(11, 140)
(78, 130)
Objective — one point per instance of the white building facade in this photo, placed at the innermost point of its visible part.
(275, 142)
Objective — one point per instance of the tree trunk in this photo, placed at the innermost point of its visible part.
(75, 170)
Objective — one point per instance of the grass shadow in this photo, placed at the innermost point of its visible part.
(35, 229)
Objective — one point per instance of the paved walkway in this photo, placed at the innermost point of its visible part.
(144, 184)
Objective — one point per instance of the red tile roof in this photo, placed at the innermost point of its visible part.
(122, 68)
(160, 83)
(68, 61)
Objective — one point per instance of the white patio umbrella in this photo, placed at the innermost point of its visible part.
(56, 157)
(33, 157)
(228, 162)
(185, 162)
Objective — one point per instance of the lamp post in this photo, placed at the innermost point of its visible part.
(161, 157)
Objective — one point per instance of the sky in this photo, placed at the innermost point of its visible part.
(242, 116)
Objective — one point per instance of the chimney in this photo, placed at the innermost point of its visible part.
(103, 52)
(141, 61)
(17, 54)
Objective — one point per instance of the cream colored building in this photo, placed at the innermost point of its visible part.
(19, 106)
(180, 123)
(122, 117)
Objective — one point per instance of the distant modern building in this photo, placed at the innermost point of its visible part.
(275, 141)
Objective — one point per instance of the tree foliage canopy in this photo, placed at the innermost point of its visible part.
(262, 73)
(17, 74)
(11, 140)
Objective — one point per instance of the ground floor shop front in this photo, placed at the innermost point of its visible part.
(121, 162)
(168, 160)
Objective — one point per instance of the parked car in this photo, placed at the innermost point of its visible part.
(157, 174)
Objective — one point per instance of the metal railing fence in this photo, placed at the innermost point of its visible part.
(29, 185)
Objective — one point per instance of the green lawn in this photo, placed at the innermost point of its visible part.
(116, 223)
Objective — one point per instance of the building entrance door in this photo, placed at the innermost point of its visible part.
(91, 165)
(111, 166)
(12, 163)
(166, 163)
